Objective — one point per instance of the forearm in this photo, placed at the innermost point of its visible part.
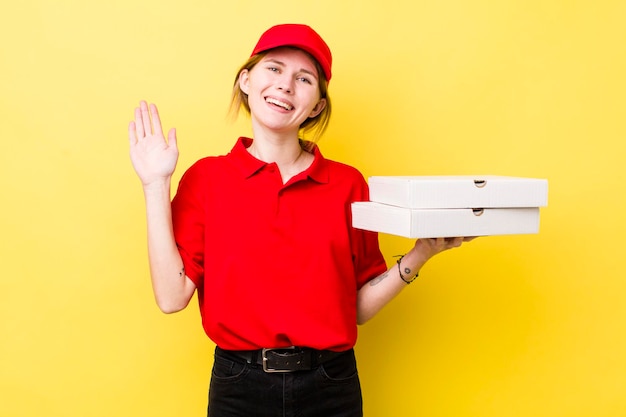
(375, 294)
(172, 288)
(378, 292)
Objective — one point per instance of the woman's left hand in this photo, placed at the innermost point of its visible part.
(432, 246)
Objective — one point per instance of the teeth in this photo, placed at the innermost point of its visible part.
(279, 103)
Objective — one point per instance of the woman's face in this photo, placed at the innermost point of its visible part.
(283, 90)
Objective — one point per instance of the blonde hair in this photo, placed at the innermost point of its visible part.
(313, 125)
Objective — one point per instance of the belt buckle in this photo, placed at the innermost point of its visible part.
(266, 368)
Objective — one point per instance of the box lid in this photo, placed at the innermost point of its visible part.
(459, 191)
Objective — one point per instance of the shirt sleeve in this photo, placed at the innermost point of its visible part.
(188, 222)
(366, 255)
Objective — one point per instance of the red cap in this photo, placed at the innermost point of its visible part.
(299, 36)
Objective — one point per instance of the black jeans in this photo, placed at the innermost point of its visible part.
(240, 389)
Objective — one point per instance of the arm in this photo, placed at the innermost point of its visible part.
(154, 160)
(375, 294)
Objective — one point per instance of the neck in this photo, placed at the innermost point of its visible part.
(283, 148)
(285, 152)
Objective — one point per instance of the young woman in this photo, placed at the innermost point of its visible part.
(264, 235)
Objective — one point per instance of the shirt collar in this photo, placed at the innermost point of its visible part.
(249, 165)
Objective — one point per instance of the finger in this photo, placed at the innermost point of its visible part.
(132, 133)
(456, 242)
(145, 116)
(156, 121)
(433, 241)
(429, 241)
(139, 123)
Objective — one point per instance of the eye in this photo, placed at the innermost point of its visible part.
(305, 80)
(273, 69)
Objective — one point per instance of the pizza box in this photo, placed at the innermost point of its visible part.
(458, 191)
(429, 223)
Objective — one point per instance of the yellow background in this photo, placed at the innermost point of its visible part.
(529, 325)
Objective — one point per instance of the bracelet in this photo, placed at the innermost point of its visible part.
(408, 281)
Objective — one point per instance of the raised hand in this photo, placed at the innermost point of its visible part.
(153, 157)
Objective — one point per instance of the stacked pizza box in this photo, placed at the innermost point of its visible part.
(450, 206)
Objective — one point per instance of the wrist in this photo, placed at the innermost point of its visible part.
(412, 262)
(417, 256)
(157, 185)
(407, 274)
(157, 191)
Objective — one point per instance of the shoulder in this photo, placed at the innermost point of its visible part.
(237, 162)
(349, 179)
(340, 170)
(195, 177)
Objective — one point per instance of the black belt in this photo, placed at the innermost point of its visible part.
(289, 359)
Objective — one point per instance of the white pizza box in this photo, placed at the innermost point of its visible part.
(458, 191)
(428, 223)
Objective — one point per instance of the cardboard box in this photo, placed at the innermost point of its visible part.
(459, 191)
(427, 223)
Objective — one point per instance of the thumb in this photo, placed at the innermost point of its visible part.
(171, 138)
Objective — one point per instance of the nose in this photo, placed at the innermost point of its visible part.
(285, 84)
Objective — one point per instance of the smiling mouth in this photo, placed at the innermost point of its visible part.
(279, 103)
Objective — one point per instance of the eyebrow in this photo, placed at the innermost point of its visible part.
(276, 61)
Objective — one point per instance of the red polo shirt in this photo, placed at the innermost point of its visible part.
(274, 264)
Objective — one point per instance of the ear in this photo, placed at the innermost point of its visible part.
(244, 81)
(318, 108)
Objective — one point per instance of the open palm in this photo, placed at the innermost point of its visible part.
(153, 157)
